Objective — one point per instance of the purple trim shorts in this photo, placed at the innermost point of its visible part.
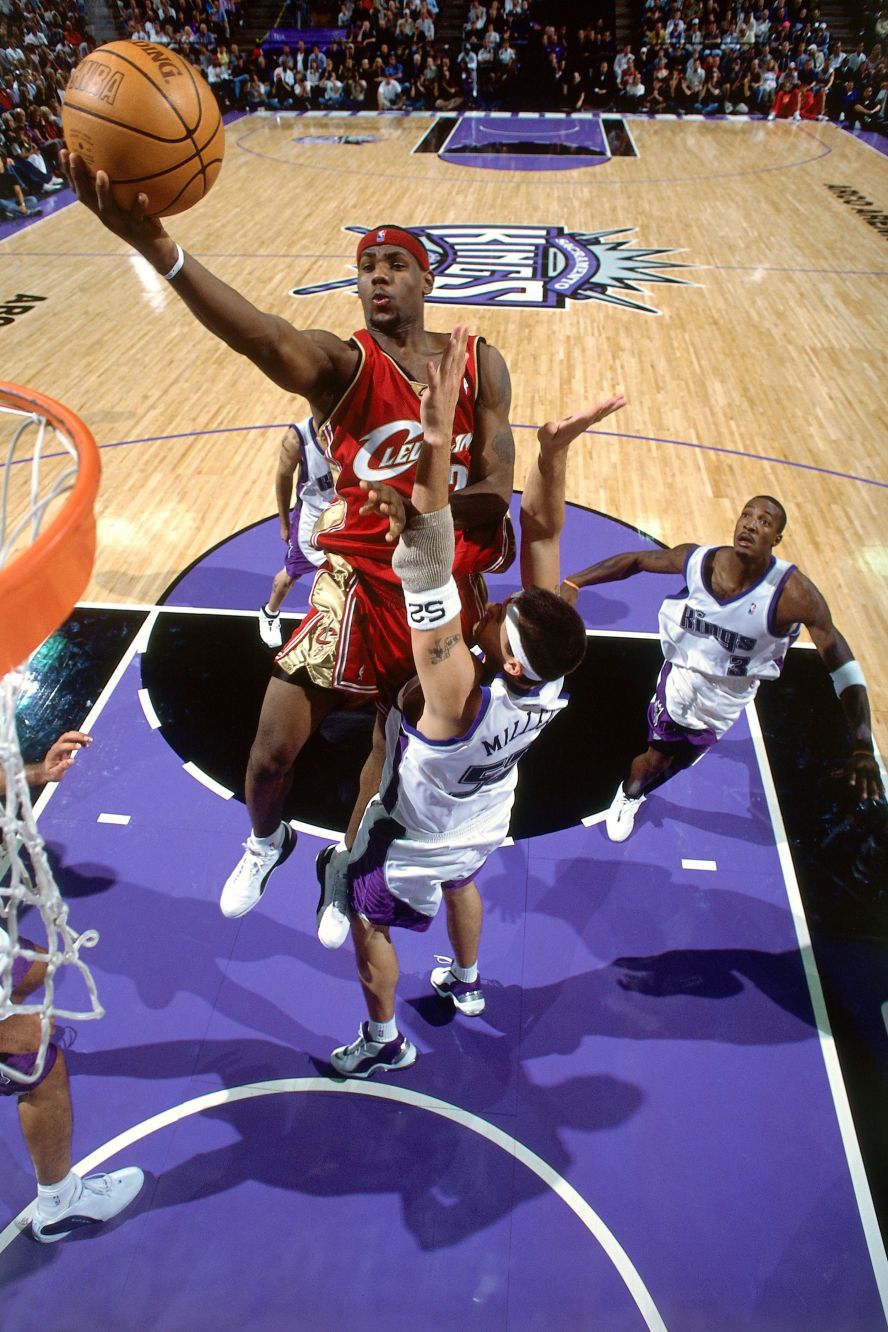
(369, 893)
(24, 1063)
(664, 730)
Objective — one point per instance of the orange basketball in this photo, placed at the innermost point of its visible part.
(149, 119)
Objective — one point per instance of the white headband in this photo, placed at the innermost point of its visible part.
(513, 634)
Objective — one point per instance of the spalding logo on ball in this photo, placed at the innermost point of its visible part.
(149, 119)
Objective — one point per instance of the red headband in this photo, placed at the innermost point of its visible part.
(405, 240)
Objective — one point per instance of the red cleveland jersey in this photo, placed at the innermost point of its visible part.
(374, 434)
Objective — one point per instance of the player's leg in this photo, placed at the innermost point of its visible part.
(46, 1122)
(333, 915)
(459, 981)
(280, 590)
(646, 771)
(379, 1045)
(290, 715)
(65, 1202)
(378, 971)
(26, 981)
(672, 747)
(270, 614)
(649, 770)
(371, 774)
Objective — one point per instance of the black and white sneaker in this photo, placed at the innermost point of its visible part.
(246, 883)
(466, 996)
(333, 918)
(99, 1198)
(364, 1057)
(270, 630)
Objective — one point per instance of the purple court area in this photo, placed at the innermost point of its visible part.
(638, 1132)
(526, 141)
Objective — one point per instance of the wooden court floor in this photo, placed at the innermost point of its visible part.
(764, 369)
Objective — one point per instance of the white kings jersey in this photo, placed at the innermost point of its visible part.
(462, 788)
(718, 651)
(315, 491)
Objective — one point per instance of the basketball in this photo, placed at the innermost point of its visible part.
(148, 118)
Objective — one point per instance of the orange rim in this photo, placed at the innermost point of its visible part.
(38, 589)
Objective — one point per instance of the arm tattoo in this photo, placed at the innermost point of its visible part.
(443, 648)
(504, 446)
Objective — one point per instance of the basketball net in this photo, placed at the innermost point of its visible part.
(49, 481)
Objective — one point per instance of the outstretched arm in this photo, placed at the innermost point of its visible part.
(631, 562)
(315, 364)
(542, 503)
(424, 561)
(802, 602)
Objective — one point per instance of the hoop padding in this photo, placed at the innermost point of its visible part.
(40, 586)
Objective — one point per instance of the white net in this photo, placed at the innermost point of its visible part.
(39, 466)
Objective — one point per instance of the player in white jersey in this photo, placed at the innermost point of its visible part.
(301, 463)
(454, 737)
(728, 629)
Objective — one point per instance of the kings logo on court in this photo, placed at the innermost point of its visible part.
(532, 267)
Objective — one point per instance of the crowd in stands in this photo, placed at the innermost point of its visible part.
(39, 46)
(689, 56)
(779, 61)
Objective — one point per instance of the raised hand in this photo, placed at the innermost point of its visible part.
(133, 225)
(61, 754)
(438, 402)
(558, 434)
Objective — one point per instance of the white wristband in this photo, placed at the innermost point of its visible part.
(845, 676)
(429, 610)
(177, 266)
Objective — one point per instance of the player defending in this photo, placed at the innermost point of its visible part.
(453, 740)
(65, 1201)
(353, 645)
(301, 463)
(727, 630)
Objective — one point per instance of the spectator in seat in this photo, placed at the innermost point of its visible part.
(450, 96)
(14, 203)
(632, 98)
(621, 61)
(712, 99)
(693, 81)
(389, 96)
(602, 90)
(811, 102)
(673, 94)
(786, 103)
(333, 92)
(865, 111)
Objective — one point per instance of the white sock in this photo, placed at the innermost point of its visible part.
(382, 1032)
(272, 843)
(52, 1198)
(465, 974)
(272, 615)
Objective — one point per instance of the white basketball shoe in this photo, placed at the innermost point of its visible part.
(270, 630)
(246, 883)
(99, 1198)
(620, 818)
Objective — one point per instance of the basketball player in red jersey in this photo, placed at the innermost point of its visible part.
(364, 397)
